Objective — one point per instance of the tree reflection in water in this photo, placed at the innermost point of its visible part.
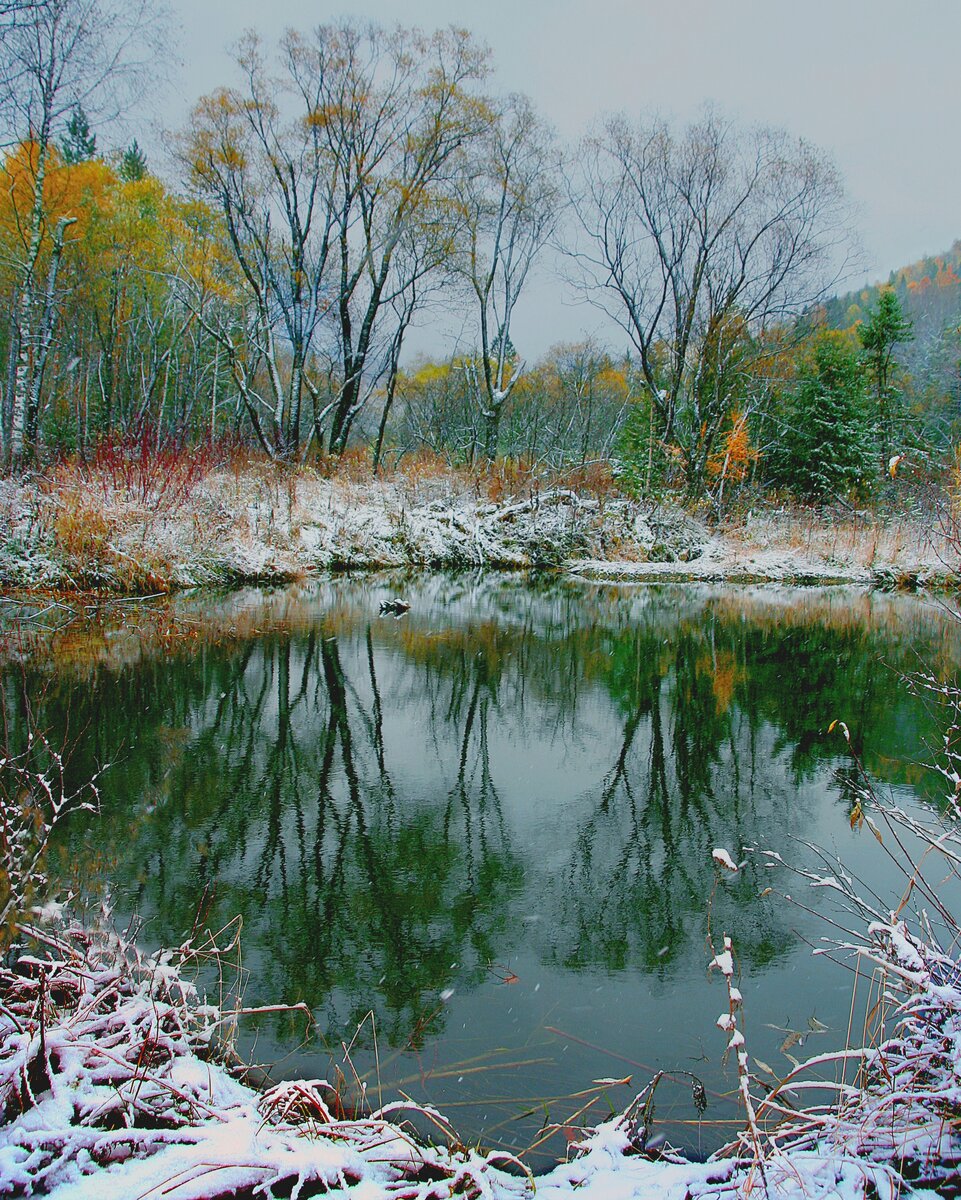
(510, 773)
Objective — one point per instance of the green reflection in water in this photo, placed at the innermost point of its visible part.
(514, 782)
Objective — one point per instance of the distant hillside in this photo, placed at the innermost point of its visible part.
(930, 295)
(929, 291)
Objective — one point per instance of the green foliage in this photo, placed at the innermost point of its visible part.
(885, 328)
(510, 353)
(80, 144)
(133, 164)
(642, 459)
(827, 445)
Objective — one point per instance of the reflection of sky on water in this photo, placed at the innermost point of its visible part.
(509, 783)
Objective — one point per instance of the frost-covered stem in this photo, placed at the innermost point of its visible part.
(31, 803)
(724, 962)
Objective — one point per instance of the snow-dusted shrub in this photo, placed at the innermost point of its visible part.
(113, 1083)
(34, 795)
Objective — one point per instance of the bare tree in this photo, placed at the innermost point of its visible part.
(425, 270)
(695, 241)
(397, 109)
(258, 153)
(509, 201)
(323, 174)
(56, 55)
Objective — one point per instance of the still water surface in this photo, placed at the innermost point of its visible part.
(490, 822)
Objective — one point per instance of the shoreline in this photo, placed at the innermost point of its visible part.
(82, 535)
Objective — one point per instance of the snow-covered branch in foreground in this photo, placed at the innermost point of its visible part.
(113, 1083)
(111, 1070)
(34, 795)
(903, 1115)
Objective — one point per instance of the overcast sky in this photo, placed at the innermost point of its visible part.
(877, 83)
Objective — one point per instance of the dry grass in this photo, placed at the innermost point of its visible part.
(901, 542)
(133, 524)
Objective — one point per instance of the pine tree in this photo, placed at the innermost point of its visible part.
(79, 145)
(133, 163)
(641, 458)
(827, 447)
(885, 328)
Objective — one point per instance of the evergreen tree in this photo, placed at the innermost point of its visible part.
(885, 328)
(641, 460)
(80, 144)
(133, 163)
(510, 353)
(827, 447)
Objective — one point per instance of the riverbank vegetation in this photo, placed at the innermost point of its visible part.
(132, 520)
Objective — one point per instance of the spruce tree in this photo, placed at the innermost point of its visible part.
(827, 450)
(80, 144)
(133, 163)
(885, 328)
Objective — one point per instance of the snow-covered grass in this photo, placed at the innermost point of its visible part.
(894, 546)
(87, 527)
(271, 523)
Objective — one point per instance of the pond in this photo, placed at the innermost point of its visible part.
(490, 823)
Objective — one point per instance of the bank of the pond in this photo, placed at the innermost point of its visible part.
(80, 531)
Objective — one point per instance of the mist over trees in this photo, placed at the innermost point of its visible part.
(352, 183)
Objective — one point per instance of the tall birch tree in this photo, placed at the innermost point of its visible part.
(57, 56)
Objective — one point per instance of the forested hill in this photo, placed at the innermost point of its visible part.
(929, 291)
(930, 294)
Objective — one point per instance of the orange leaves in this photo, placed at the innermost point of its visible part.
(74, 191)
(735, 456)
(726, 674)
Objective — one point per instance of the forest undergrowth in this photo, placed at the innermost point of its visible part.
(136, 520)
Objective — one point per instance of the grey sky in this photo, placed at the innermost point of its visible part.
(875, 82)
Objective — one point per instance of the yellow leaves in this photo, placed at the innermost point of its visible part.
(79, 191)
(125, 235)
(429, 373)
(321, 118)
(229, 155)
(215, 141)
(218, 108)
(726, 673)
(614, 380)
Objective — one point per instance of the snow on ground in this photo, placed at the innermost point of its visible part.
(266, 525)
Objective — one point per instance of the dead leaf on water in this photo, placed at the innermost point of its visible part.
(794, 1038)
